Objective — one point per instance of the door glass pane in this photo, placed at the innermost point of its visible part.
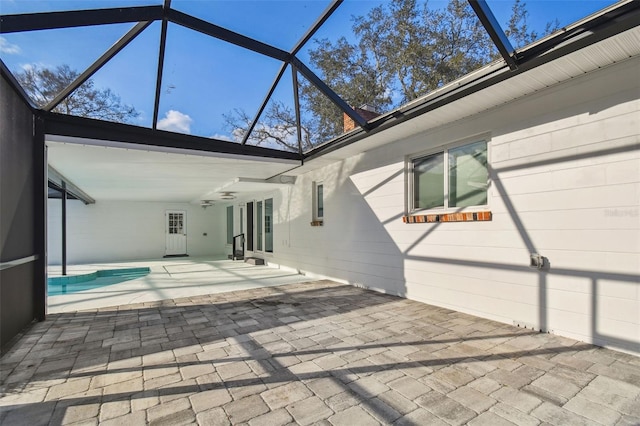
(179, 224)
(176, 223)
(259, 226)
(230, 225)
(428, 182)
(468, 175)
(268, 225)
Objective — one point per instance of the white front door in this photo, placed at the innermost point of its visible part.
(176, 232)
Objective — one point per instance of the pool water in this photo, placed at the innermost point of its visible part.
(74, 283)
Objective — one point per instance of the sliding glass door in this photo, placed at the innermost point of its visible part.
(260, 225)
(268, 225)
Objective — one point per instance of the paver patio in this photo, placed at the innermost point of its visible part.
(309, 353)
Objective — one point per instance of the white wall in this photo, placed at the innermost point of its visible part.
(566, 184)
(123, 230)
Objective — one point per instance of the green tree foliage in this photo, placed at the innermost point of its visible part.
(403, 50)
(44, 84)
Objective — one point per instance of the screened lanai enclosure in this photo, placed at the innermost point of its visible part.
(320, 131)
(275, 74)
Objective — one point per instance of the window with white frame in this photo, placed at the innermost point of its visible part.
(318, 201)
(456, 177)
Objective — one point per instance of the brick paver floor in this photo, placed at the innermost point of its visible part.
(314, 353)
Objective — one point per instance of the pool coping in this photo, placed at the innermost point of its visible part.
(81, 278)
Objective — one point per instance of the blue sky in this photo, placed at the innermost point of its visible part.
(205, 78)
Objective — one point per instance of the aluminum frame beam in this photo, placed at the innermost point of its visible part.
(29, 22)
(99, 63)
(316, 26)
(77, 18)
(252, 126)
(296, 101)
(64, 228)
(329, 93)
(163, 46)
(40, 228)
(499, 38)
(82, 127)
(229, 36)
(60, 181)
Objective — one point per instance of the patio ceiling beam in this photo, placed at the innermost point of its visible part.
(77, 18)
(499, 38)
(62, 183)
(89, 128)
(264, 103)
(329, 93)
(229, 36)
(316, 26)
(113, 50)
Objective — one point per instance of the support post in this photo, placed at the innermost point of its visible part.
(64, 228)
(40, 219)
(296, 99)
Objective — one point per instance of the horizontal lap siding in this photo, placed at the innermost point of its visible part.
(566, 169)
(124, 230)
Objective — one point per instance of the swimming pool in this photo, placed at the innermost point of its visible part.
(74, 283)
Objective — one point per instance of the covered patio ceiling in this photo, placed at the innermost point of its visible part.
(125, 172)
(137, 161)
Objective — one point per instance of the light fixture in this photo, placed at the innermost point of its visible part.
(227, 195)
(206, 203)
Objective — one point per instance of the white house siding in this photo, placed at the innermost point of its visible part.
(122, 230)
(566, 185)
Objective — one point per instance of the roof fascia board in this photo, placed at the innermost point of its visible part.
(626, 15)
(224, 34)
(64, 184)
(490, 76)
(77, 18)
(81, 127)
